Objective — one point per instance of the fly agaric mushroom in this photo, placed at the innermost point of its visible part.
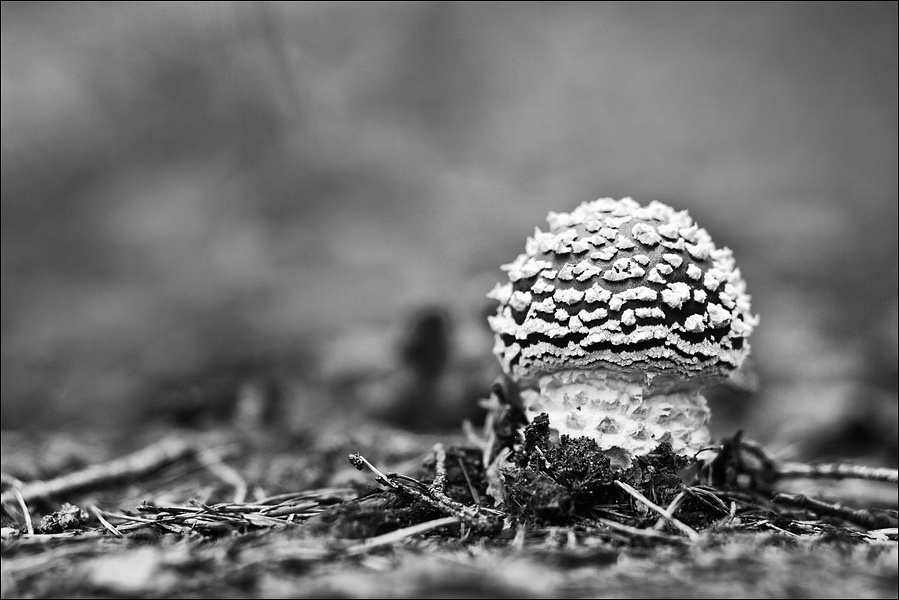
(614, 320)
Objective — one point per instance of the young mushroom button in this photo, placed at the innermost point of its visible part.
(614, 320)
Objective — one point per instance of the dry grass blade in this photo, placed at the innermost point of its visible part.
(708, 497)
(636, 532)
(122, 517)
(400, 534)
(474, 492)
(685, 529)
(282, 510)
(109, 526)
(337, 494)
(291, 509)
(672, 508)
(26, 514)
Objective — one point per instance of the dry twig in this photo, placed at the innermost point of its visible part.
(683, 528)
(478, 518)
(837, 471)
(400, 534)
(636, 532)
(139, 463)
(109, 526)
(868, 518)
(672, 508)
(472, 490)
(772, 468)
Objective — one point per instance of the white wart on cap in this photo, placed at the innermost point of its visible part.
(616, 318)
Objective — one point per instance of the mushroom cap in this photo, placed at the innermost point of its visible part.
(638, 291)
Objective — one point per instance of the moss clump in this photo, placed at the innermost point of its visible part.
(535, 497)
(560, 483)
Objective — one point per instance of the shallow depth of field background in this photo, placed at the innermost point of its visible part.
(191, 191)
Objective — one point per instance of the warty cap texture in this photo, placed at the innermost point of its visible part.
(635, 290)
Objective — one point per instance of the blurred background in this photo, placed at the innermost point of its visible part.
(205, 204)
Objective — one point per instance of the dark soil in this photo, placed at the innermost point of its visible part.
(313, 526)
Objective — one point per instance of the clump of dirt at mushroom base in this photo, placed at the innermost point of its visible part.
(572, 481)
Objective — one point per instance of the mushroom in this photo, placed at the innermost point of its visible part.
(614, 320)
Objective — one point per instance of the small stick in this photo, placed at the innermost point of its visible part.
(138, 463)
(168, 509)
(339, 494)
(470, 515)
(109, 526)
(290, 509)
(700, 494)
(771, 525)
(360, 462)
(260, 520)
(649, 533)
(474, 493)
(400, 534)
(409, 480)
(863, 517)
(837, 471)
(707, 496)
(821, 471)
(439, 484)
(685, 529)
(437, 489)
(129, 518)
(29, 526)
(672, 508)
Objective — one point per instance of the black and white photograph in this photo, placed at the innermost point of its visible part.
(449, 299)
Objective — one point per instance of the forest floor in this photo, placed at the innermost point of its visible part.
(238, 512)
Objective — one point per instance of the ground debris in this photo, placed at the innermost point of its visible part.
(560, 483)
(68, 518)
(375, 513)
(473, 513)
(138, 463)
(567, 517)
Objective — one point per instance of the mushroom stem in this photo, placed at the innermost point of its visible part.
(624, 413)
